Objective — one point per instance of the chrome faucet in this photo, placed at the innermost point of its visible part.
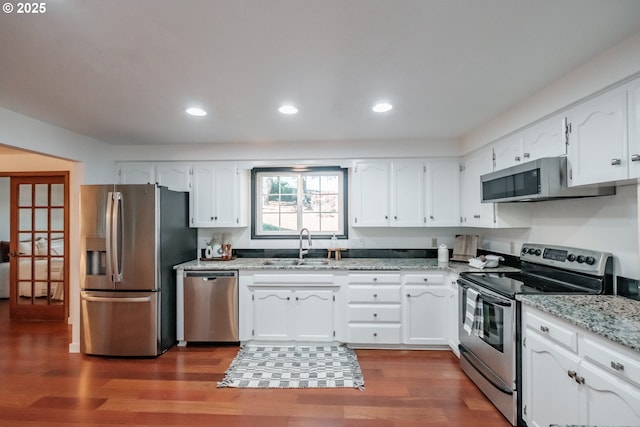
(303, 252)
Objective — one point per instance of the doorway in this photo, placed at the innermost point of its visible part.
(38, 246)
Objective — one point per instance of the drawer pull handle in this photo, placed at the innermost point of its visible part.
(617, 366)
(544, 329)
(616, 162)
(579, 379)
(635, 157)
(572, 374)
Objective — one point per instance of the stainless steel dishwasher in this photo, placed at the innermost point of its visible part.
(211, 306)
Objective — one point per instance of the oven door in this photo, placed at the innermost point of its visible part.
(495, 343)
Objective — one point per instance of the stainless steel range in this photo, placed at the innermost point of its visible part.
(489, 327)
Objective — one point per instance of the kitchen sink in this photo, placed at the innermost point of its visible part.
(281, 262)
(313, 262)
(290, 262)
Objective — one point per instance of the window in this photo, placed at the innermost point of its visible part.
(286, 200)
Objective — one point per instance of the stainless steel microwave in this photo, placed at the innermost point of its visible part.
(537, 180)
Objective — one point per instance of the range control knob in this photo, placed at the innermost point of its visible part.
(531, 251)
(524, 250)
(571, 257)
(590, 260)
(538, 252)
(581, 259)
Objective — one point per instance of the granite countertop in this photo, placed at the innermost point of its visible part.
(613, 317)
(344, 264)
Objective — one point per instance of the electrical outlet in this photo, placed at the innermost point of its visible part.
(434, 242)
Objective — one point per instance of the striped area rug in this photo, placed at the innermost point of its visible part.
(326, 366)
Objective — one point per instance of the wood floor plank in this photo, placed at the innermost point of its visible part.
(44, 385)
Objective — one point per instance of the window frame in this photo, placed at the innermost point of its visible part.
(298, 171)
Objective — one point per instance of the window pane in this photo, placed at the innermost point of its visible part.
(289, 222)
(57, 194)
(329, 203)
(311, 221)
(24, 195)
(330, 184)
(42, 219)
(24, 219)
(42, 195)
(57, 219)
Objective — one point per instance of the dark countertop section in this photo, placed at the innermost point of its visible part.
(610, 316)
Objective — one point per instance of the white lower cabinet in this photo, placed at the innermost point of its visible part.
(425, 303)
(571, 376)
(374, 308)
(287, 307)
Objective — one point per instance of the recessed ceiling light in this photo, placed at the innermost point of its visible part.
(382, 107)
(195, 111)
(288, 109)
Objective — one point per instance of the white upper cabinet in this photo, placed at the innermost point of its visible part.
(473, 211)
(508, 151)
(407, 193)
(597, 150)
(218, 196)
(370, 193)
(136, 173)
(544, 139)
(634, 129)
(175, 176)
(442, 204)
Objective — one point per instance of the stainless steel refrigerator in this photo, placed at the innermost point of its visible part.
(132, 236)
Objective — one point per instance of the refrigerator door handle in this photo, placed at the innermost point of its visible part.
(107, 299)
(114, 207)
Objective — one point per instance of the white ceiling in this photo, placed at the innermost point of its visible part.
(124, 71)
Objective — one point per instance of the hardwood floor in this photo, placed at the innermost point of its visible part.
(43, 384)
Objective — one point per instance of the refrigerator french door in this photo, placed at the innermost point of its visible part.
(133, 235)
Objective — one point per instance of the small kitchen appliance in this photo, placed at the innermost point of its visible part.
(490, 347)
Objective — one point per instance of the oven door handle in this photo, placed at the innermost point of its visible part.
(488, 298)
(463, 353)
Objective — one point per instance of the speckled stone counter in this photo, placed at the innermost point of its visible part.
(348, 264)
(613, 317)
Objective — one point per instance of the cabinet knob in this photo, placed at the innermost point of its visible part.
(544, 329)
(425, 279)
(526, 155)
(616, 162)
(375, 295)
(571, 374)
(395, 217)
(375, 314)
(375, 279)
(635, 157)
(375, 334)
(386, 217)
(517, 158)
(408, 295)
(617, 366)
(430, 216)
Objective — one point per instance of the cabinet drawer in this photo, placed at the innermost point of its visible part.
(423, 279)
(619, 361)
(374, 294)
(552, 329)
(374, 334)
(374, 278)
(374, 313)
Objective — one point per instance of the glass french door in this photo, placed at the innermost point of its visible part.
(38, 247)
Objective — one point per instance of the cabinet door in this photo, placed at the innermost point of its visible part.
(226, 195)
(551, 395)
(608, 400)
(271, 314)
(474, 212)
(407, 193)
(175, 176)
(508, 152)
(314, 315)
(426, 315)
(137, 173)
(544, 139)
(597, 150)
(442, 193)
(370, 194)
(634, 129)
(201, 202)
